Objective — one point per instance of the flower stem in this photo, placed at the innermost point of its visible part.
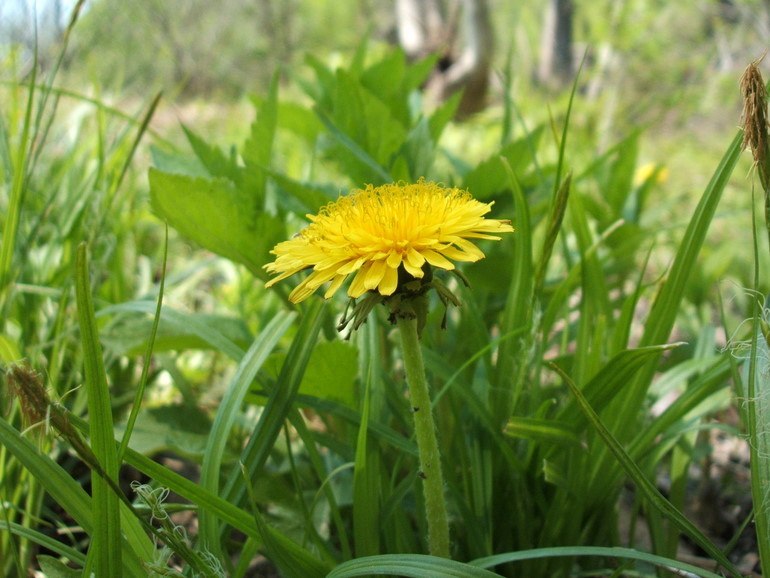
(425, 433)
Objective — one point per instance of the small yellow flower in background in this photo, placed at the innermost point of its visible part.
(644, 172)
(385, 236)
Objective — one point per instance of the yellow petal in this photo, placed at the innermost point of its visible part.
(375, 274)
(389, 282)
(437, 260)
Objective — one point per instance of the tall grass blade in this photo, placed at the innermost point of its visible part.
(104, 554)
(293, 560)
(281, 400)
(757, 411)
(664, 311)
(657, 500)
(518, 313)
(18, 183)
(228, 412)
(411, 565)
(366, 486)
(66, 491)
(571, 551)
(147, 358)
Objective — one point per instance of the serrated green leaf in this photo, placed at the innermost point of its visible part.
(217, 164)
(419, 150)
(303, 198)
(177, 163)
(491, 176)
(258, 148)
(217, 216)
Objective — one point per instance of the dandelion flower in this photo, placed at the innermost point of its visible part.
(383, 236)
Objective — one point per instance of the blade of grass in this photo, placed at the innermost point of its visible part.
(366, 486)
(281, 399)
(297, 421)
(279, 549)
(664, 311)
(356, 150)
(147, 358)
(412, 565)
(230, 513)
(16, 200)
(757, 414)
(518, 312)
(104, 555)
(227, 415)
(66, 491)
(570, 551)
(657, 500)
(46, 541)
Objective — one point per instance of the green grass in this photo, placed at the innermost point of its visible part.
(301, 441)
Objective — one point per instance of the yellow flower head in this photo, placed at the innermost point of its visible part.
(375, 232)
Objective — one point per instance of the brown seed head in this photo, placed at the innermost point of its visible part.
(754, 117)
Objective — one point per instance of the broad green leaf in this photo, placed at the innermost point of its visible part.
(419, 150)
(385, 80)
(331, 372)
(177, 163)
(356, 161)
(54, 568)
(443, 115)
(217, 164)
(303, 198)
(182, 429)
(217, 216)
(300, 120)
(128, 336)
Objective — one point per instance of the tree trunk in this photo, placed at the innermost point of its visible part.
(556, 62)
(423, 29)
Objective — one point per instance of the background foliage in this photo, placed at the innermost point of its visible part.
(630, 273)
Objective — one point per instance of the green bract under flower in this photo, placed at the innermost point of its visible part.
(375, 232)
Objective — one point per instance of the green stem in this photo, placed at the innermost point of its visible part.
(425, 433)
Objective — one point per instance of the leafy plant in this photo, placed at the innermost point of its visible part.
(301, 440)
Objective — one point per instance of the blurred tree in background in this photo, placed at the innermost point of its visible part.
(426, 27)
(643, 57)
